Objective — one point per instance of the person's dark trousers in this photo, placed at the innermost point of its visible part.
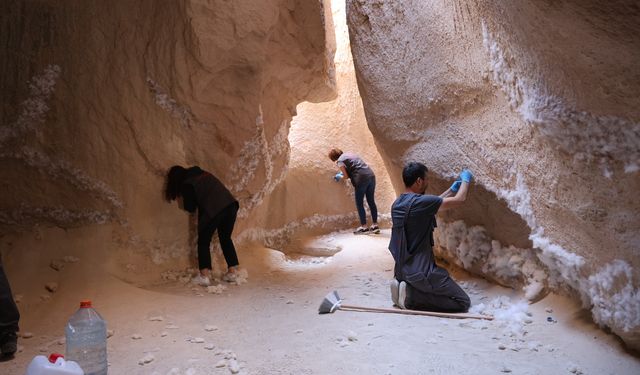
(224, 223)
(366, 188)
(447, 296)
(9, 315)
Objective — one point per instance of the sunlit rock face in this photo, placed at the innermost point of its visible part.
(101, 98)
(316, 129)
(541, 101)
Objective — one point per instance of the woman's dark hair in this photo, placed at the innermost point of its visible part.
(334, 154)
(413, 171)
(175, 178)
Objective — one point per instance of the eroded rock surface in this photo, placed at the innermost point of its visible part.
(540, 100)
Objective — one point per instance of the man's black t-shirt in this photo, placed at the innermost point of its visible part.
(418, 227)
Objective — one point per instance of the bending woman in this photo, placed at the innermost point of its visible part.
(217, 209)
(364, 181)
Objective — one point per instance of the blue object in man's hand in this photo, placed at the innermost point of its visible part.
(466, 176)
(456, 186)
(338, 176)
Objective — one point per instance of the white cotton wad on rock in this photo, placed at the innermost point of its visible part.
(614, 298)
(472, 249)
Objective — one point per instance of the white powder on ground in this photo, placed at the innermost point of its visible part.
(511, 316)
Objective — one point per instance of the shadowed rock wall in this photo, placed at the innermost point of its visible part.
(100, 98)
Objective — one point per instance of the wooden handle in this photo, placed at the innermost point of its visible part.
(417, 312)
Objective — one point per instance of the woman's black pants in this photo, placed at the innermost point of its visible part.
(224, 223)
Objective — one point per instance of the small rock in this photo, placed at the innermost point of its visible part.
(146, 359)
(228, 354)
(221, 363)
(234, 367)
(27, 335)
(70, 259)
(501, 347)
(136, 336)
(18, 298)
(549, 310)
(505, 369)
(574, 369)
(209, 346)
(45, 297)
(370, 324)
(197, 340)
(163, 334)
(351, 336)
(110, 333)
(57, 265)
(528, 321)
(299, 331)
(156, 319)
(216, 289)
(210, 328)
(289, 302)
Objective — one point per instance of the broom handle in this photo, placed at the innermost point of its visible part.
(417, 312)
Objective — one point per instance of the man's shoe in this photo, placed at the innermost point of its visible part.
(375, 229)
(402, 295)
(395, 290)
(361, 230)
(8, 344)
(201, 280)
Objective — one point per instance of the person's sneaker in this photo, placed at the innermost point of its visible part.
(8, 344)
(375, 229)
(230, 277)
(361, 230)
(402, 295)
(201, 280)
(395, 290)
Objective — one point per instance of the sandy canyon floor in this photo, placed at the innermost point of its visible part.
(271, 325)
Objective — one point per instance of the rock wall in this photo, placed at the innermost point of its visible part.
(540, 100)
(101, 98)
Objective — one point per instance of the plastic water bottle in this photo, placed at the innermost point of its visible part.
(86, 336)
(54, 365)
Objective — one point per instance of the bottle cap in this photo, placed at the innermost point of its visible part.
(53, 357)
(85, 304)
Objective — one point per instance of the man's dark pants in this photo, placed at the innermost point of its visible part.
(444, 296)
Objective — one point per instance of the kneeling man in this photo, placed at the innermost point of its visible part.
(419, 284)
